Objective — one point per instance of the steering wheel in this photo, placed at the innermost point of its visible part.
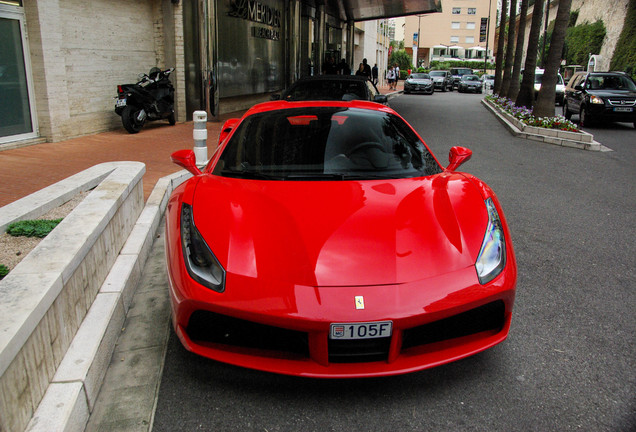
(366, 144)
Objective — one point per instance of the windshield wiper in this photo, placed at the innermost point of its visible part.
(248, 175)
(315, 176)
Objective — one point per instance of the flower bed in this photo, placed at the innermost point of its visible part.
(525, 115)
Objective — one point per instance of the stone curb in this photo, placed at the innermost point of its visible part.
(71, 396)
(581, 140)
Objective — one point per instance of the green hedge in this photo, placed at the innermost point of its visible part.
(4, 270)
(625, 53)
(583, 39)
(445, 65)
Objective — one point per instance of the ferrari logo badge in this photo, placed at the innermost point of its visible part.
(359, 302)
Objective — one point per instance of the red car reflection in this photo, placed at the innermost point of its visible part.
(324, 239)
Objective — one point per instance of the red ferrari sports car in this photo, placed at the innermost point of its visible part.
(324, 239)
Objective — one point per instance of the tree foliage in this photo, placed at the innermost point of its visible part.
(402, 58)
(625, 53)
(583, 39)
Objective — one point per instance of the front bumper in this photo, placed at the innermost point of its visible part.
(417, 88)
(434, 322)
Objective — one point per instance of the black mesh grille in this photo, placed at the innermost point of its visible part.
(489, 317)
(358, 351)
(210, 327)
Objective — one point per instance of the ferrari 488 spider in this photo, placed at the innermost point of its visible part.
(325, 239)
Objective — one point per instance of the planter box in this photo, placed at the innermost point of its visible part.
(581, 139)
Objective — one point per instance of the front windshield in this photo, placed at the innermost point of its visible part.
(420, 76)
(437, 74)
(470, 78)
(610, 82)
(325, 143)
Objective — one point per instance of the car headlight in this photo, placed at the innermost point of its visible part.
(201, 263)
(596, 100)
(492, 256)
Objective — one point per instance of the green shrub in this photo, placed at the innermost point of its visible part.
(583, 39)
(624, 57)
(4, 270)
(32, 228)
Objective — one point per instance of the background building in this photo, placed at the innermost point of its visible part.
(61, 60)
(459, 32)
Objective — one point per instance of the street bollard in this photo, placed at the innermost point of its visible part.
(200, 135)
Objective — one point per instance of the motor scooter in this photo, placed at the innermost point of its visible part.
(151, 98)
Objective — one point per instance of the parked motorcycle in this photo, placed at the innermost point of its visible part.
(152, 98)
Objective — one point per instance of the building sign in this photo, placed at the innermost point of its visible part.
(251, 56)
(483, 30)
(260, 13)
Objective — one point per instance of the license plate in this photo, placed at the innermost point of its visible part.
(623, 109)
(120, 103)
(363, 330)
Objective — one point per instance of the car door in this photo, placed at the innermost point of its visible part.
(575, 97)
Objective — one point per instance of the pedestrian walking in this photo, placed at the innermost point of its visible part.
(374, 74)
(390, 77)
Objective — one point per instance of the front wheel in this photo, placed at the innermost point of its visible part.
(585, 120)
(130, 119)
(566, 111)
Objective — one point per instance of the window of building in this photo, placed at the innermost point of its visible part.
(457, 11)
(472, 11)
(470, 25)
(454, 39)
(455, 25)
(470, 39)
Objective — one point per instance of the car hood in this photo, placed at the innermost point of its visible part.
(346, 233)
(438, 78)
(620, 94)
(419, 81)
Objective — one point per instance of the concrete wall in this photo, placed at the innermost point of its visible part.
(48, 294)
(81, 50)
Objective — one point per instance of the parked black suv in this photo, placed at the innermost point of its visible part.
(600, 96)
(458, 73)
(442, 79)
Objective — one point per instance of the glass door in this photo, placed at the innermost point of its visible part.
(17, 114)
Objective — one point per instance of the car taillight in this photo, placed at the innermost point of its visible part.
(119, 89)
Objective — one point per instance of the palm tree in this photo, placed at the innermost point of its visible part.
(526, 91)
(513, 90)
(500, 47)
(510, 49)
(545, 100)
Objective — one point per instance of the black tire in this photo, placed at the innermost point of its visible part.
(584, 119)
(172, 120)
(566, 111)
(444, 89)
(128, 119)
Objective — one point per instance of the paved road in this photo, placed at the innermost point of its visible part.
(569, 362)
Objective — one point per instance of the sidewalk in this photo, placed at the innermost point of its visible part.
(28, 169)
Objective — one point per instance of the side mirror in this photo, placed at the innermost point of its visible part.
(227, 128)
(380, 99)
(186, 159)
(457, 156)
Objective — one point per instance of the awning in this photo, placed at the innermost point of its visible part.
(477, 48)
(364, 10)
(440, 46)
(455, 47)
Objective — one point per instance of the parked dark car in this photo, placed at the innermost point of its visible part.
(419, 83)
(601, 96)
(442, 79)
(470, 83)
(458, 73)
(333, 88)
